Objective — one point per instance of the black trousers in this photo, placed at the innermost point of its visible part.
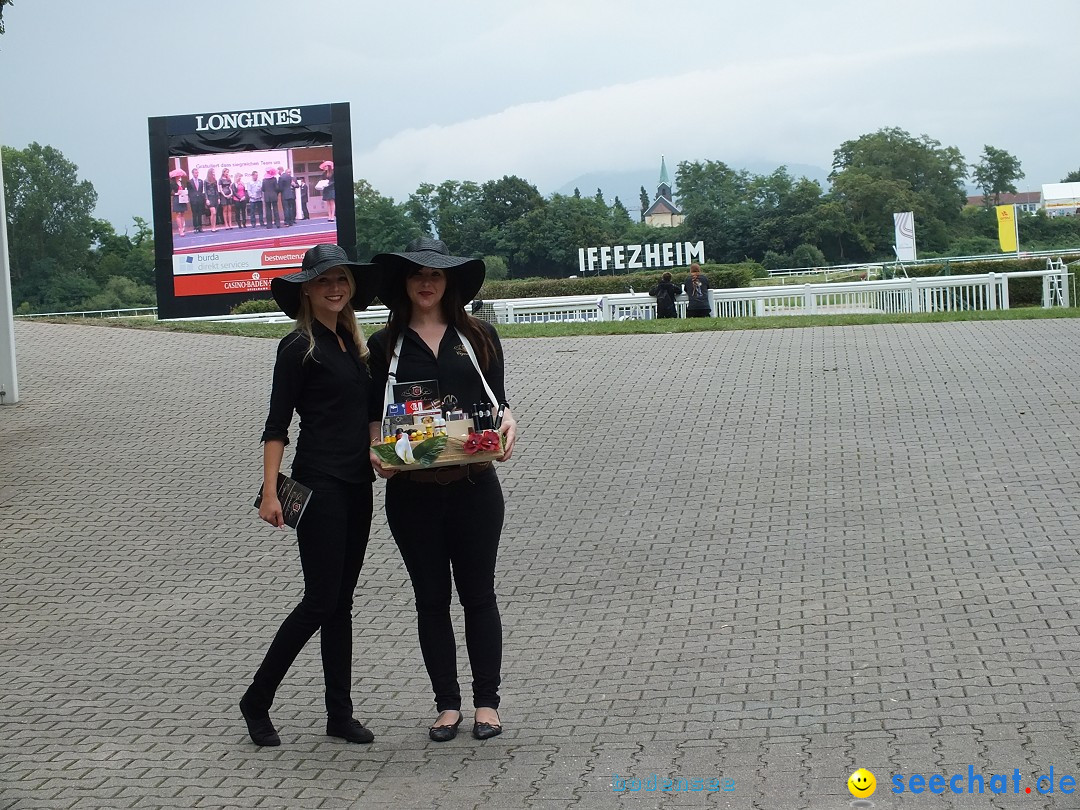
(272, 217)
(288, 205)
(198, 211)
(441, 529)
(698, 313)
(256, 212)
(332, 536)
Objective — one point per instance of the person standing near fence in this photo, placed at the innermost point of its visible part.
(697, 294)
(665, 294)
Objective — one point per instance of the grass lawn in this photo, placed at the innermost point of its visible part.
(277, 330)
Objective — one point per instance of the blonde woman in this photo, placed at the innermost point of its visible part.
(321, 374)
(225, 185)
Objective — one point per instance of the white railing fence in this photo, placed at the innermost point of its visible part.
(890, 297)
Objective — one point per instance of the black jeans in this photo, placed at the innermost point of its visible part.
(272, 218)
(332, 536)
(439, 528)
(256, 212)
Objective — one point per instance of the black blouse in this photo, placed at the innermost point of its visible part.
(458, 380)
(330, 392)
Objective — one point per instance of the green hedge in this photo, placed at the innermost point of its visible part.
(255, 305)
(721, 276)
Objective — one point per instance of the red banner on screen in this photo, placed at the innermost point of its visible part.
(218, 283)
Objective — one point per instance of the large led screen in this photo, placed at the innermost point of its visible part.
(239, 196)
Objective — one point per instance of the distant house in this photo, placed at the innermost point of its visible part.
(663, 213)
(1026, 201)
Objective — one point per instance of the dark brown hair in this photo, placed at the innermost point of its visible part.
(453, 310)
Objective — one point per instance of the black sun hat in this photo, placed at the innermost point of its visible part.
(318, 260)
(427, 252)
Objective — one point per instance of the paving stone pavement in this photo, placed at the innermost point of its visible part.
(768, 557)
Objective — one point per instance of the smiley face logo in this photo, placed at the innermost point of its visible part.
(862, 784)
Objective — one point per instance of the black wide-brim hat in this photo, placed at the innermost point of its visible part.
(318, 260)
(427, 252)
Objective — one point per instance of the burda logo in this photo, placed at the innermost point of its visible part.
(246, 120)
(279, 257)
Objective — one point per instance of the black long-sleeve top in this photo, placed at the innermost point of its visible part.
(329, 392)
(452, 368)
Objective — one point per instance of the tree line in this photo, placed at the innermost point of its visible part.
(63, 258)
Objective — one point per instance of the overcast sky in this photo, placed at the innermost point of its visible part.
(547, 90)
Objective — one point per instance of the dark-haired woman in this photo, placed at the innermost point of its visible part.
(457, 530)
(321, 375)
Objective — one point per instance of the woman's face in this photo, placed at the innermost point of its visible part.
(426, 288)
(329, 292)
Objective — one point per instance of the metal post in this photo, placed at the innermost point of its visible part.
(9, 378)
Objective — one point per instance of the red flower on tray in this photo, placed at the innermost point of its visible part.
(488, 441)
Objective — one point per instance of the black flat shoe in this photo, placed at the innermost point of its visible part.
(485, 731)
(259, 727)
(445, 733)
(352, 730)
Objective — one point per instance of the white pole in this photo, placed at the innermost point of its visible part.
(9, 378)
(1016, 227)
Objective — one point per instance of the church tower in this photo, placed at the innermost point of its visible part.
(663, 213)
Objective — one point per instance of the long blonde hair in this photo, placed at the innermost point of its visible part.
(347, 318)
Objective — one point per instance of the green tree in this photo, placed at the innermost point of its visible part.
(643, 199)
(501, 203)
(890, 171)
(453, 211)
(1072, 177)
(997, 171)
(545, 241)
(51, 226)
(382, 226)
(716, 201)
(123, 256)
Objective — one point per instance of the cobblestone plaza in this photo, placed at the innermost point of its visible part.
(759, 559)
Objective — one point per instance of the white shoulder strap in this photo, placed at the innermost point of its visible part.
(472, 356)
(391, 377)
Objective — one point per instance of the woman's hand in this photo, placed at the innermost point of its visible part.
(270, 511)
(508, 429)
(380, 470)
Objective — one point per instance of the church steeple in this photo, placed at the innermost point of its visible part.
(663, 190)
(663, 213)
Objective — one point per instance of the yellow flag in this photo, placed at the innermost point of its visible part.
(1006, 218)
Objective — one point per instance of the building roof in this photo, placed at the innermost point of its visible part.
(1061, 191)
(662, 205)
(1007, 198)
(663, 172)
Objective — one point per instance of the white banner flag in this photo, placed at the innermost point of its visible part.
(905, 236)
